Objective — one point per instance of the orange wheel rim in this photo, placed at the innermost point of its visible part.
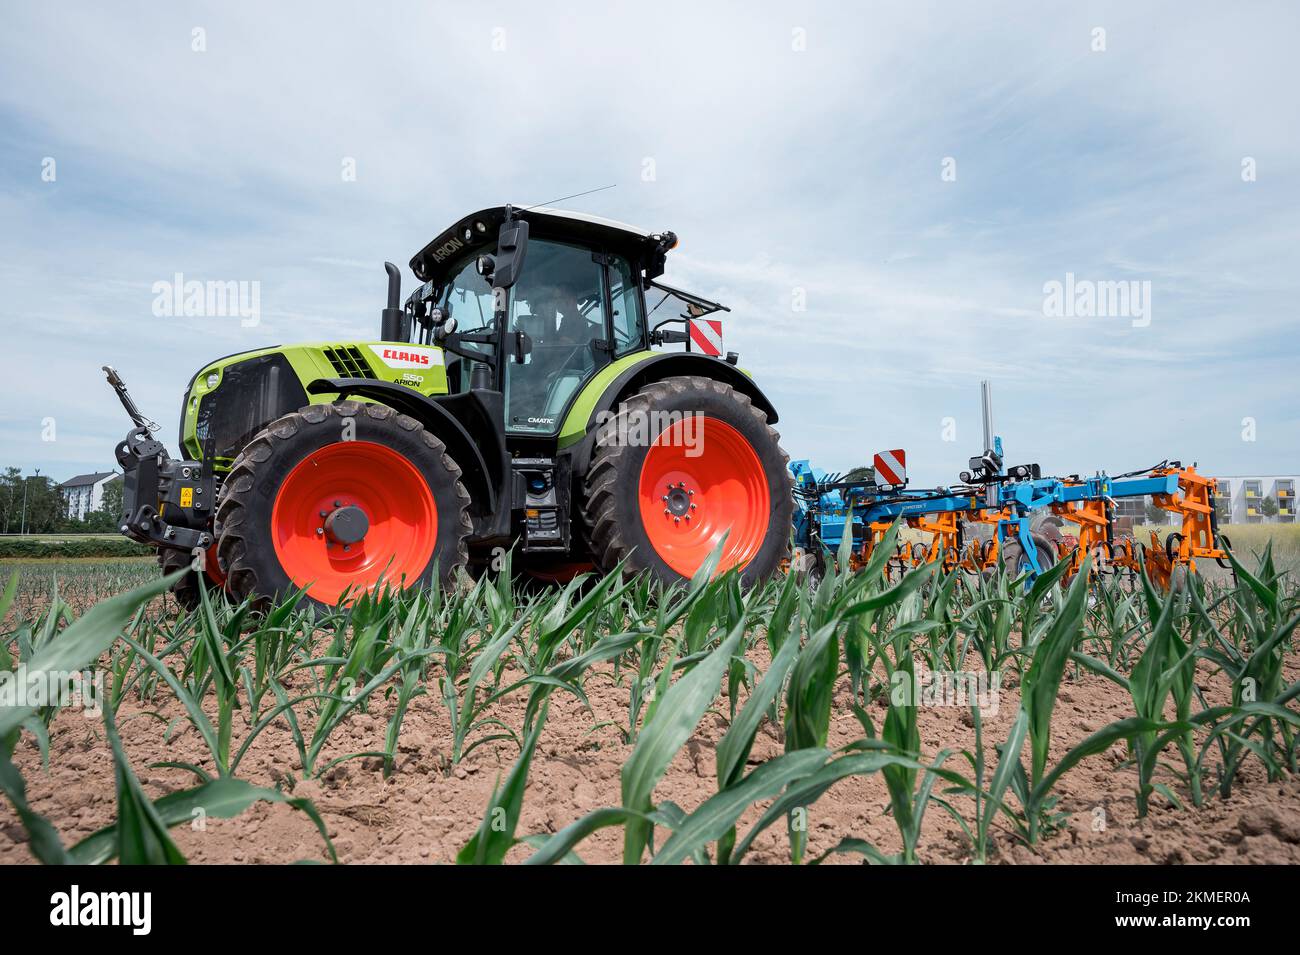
(339, 492)
(691, 493)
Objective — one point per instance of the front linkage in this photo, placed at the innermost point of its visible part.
(165, 502)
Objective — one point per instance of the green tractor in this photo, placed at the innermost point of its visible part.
(514, 400)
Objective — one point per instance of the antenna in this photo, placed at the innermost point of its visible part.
(576, 195)
(986, 412)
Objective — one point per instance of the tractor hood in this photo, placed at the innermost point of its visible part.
(235, 396)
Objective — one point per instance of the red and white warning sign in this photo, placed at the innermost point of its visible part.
(706, 335)
(891, 467)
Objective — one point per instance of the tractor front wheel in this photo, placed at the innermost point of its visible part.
(685, 461)
(335, 499)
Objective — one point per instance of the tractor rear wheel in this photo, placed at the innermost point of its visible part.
(684, 461)
(336, 498)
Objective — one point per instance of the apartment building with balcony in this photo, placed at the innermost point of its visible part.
(1244, 499)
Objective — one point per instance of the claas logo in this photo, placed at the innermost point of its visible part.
(417, 357)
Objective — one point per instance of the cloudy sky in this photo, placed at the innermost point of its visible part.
(880, 196)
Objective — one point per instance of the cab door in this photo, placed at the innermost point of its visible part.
(561, 305)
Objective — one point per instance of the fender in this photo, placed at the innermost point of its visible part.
(657, 368)
(481, 480)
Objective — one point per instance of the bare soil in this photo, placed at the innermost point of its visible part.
(427, 809)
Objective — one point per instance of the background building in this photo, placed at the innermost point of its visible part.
(1256, 499)
(84, 494)
(1239, 499)
(1132, 507)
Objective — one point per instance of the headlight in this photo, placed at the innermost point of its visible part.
(212, 380)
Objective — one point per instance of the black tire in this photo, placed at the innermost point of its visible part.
(1013, 554)
(248, 494)
(185, 590)
(817, 567)
(612, 518)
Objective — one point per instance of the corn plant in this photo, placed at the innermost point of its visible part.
(682, 707)
(901, 735)
(987, 622)
(465, 704)
(1039, 690)
(1267, 621)
(139, 834)
(734, 748)
(1167, 667)
(78, 646)
(674, 606)
(1117, 621)
(413, 645)
(496, 835)
(988, 800)
(808, 708)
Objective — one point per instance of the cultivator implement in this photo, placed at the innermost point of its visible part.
(1193, 502)
(1008, 499)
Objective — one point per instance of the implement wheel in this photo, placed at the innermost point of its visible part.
(685, 461)
(1013, 556)
(337, 497)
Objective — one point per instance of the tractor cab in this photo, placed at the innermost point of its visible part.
(533, 303)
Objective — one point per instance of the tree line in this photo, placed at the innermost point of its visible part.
(35, 504)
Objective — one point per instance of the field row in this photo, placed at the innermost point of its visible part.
(793, 696)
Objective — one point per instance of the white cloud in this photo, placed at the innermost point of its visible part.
(779, 169)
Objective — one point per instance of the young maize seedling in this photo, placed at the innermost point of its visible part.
(808, 709)
(666, 731)
(496, 834)
(1166, 666)
(1259, 696)
(988, 620)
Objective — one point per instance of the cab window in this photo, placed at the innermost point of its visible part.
(468, 299)
(627, 306)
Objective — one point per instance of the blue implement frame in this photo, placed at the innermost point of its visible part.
(823, 504)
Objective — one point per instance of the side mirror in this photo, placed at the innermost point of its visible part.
(512, 243)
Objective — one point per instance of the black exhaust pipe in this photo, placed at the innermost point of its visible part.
(392, 320)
